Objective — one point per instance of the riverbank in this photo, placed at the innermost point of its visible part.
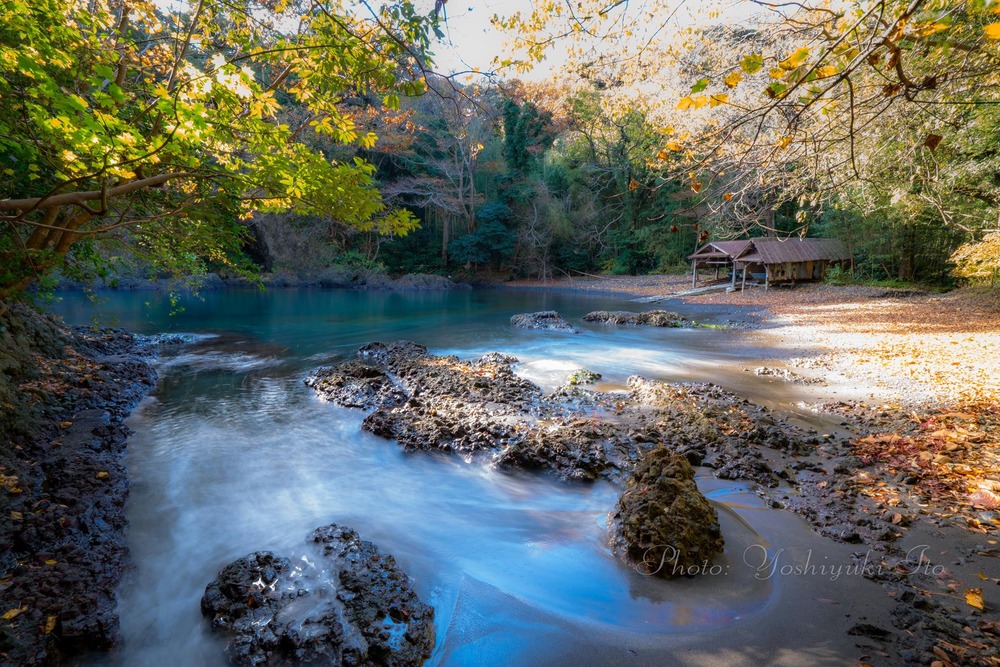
(912, 378)
(63, 483)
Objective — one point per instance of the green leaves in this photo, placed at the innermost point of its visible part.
(753, 63)
(699, 86)
(91, 100)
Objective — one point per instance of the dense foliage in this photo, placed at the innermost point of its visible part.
(164, 130)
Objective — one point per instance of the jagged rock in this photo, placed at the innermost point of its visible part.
(344, 603)
(494, 358)
(355, 384)
(654, 318)
(662, 522)
(482, 408)
(544, 319)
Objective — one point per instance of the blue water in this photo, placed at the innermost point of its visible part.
(232, 454)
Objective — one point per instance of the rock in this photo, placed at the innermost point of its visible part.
(545, 319)
(582, 376)
(662, 522)
(344, 603)
(424, 281)
(482, 408)
(654, 318)
(785, 374)
(355, 384)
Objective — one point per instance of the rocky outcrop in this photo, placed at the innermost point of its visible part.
(663, 524)
(653, 318)
(342, 603)
(483, 409)
(544, 319)
(63, 482)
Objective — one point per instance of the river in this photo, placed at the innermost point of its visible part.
(233, 454)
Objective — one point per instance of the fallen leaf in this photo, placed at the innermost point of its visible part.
(50, 624)
(13, 613)
(974, 598)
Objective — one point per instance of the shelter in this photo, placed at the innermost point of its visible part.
(717, 255)
(789, 260)
(770, 259)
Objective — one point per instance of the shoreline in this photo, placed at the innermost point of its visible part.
(63, 524)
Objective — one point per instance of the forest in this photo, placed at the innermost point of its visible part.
(302, 135)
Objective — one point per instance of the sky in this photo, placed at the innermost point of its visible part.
(470, 40)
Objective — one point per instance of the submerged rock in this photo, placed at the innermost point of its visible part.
(544, 319)
(663, 523)
(654, 318)
(346, 603)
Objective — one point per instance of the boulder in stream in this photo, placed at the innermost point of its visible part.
(663, 524)
(653, 318)
(543, 319)
(344, 602)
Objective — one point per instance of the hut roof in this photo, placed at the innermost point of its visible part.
(778, 251)
(720, 249)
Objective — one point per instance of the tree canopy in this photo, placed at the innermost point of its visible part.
(169, 127)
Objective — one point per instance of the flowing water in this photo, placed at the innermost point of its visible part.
(232, 454)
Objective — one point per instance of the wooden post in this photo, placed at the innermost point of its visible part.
(694, 273)
(767, 276)
(743, 287)
(732, 284)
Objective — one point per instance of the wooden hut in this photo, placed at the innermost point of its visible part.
(716, 255)
(789, 260)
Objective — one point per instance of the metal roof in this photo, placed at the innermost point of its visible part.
(778, 251)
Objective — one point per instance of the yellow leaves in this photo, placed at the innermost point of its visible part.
(974, 598)
(697, 102)
(930, 28)
(717, 99)
(777, 73)
(102, 475)
(633, 184)
(797, 58)
(992, 31)
(783, 142)
(50, 624)
(825, 71)
(728, 196)
(11, 614)
(696, 186)
(732, 78)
